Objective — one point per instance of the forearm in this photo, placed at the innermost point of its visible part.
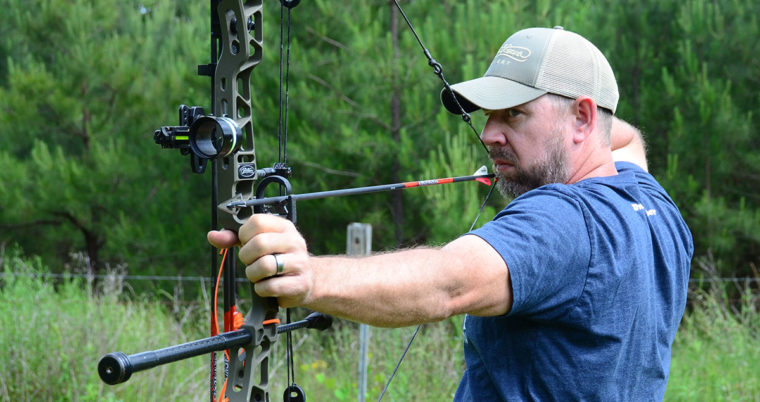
(412, 286)
(392, 290)
(627, 144)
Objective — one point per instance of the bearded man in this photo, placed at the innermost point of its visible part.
(574, 291)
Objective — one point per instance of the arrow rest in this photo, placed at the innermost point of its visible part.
(286, 207)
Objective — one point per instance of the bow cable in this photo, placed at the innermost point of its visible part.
(437, 70)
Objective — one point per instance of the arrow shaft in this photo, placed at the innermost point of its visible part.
(356, 190)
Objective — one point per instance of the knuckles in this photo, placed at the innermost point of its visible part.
(265, 234)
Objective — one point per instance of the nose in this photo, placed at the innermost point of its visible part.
(492, 133)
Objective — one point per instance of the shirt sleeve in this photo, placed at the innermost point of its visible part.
(543, 238)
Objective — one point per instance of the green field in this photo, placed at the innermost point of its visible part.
(54, 333)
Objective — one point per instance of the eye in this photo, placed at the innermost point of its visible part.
(513, 112)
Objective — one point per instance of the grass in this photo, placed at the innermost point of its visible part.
(430, 370)
(53, 335)
(716, 354)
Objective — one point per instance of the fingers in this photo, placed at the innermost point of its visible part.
(261, 238)
(265, 228)
(291, 286)
(222, 238)
(263, 223)
(278, 266)
(266, 267)
(264, 235)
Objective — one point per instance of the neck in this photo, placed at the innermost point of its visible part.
(592, 160)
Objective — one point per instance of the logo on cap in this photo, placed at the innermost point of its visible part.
(516, 53)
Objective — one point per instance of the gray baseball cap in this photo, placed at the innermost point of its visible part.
(533, 62)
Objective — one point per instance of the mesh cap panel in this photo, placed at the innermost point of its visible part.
(574, 67)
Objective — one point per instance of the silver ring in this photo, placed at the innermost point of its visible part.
(279, 263)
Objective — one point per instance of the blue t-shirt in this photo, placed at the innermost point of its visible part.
(599, 273)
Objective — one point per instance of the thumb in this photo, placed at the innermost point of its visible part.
(222, 238)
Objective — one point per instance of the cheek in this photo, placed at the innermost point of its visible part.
(526, 148)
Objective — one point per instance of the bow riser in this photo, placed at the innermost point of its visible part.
(241, 50)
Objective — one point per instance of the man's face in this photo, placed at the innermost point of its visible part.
(527, 146)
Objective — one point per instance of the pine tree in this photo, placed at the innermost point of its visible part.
(80, 171)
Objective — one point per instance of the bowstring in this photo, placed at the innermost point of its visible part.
(282, 129)
(437, 70)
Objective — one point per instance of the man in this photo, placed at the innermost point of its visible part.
(574, 291)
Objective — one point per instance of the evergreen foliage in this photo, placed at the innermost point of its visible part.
(79, 102)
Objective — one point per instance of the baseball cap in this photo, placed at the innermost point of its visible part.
(533, 62)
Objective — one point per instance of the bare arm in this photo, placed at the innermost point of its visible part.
(392, 289)
(627, 144)
(414, 286)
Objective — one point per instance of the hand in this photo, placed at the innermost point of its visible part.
(627, 144)
(260, 237)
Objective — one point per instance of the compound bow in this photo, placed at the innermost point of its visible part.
(225, 138)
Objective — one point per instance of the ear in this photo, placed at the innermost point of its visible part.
(584, 112)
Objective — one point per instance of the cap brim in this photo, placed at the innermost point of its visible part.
(492, 93)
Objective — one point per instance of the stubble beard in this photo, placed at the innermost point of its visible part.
(553, 168)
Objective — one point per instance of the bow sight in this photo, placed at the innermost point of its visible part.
(203, 137)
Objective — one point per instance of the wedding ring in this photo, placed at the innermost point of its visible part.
(279, 263)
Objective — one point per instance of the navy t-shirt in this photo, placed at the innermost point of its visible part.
(599, 273)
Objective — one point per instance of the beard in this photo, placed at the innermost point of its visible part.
(553, 168)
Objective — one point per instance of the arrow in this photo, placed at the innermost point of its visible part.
(481, 175)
